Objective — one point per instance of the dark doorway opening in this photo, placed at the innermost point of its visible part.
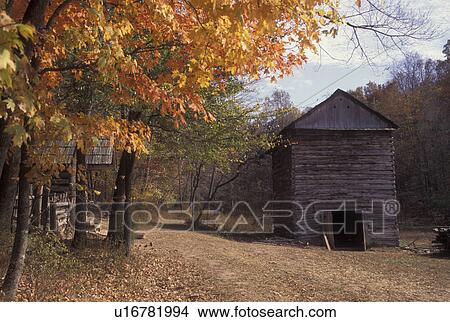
(348, 230)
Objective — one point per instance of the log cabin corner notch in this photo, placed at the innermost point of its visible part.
(340, 150)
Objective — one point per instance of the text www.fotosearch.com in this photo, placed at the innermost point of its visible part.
(248, 312)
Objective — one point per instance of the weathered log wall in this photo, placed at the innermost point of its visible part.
(356, 166)
(282, 181)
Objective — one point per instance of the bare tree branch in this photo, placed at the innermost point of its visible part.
(59, 9)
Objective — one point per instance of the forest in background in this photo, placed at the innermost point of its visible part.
(417, 98)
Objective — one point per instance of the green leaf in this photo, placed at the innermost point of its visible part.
(5, 77)
(95, 141)
(6, 60)
(18, 44)
(10, 104)
(18, 133)
(79, 187)
(26, 31)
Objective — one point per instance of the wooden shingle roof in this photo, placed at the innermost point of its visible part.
(101, 155)
(342, 111)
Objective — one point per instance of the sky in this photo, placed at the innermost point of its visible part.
(322, 74)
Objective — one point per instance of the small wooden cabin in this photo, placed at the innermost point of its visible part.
(99, 158)
(337, 162)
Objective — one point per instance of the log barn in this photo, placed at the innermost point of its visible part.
(336, 162)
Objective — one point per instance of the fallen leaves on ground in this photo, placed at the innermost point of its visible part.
(99, 273)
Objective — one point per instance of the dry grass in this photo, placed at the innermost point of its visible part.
(263, 272)
(187, 266)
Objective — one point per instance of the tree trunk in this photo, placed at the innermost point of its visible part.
(195, 181)
(5, 140)
(220, 184)
(116, 215)
(17, 261)
(9, 7)
(8, 189)
(211, 183)
(117, 231)
(80, 236)
(128, 228)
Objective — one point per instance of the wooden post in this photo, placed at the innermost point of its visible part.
(37, 206)
(45, 208)
(73, 181)
(327, 229)
(53, 218)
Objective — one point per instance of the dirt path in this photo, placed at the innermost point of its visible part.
(239, 271)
